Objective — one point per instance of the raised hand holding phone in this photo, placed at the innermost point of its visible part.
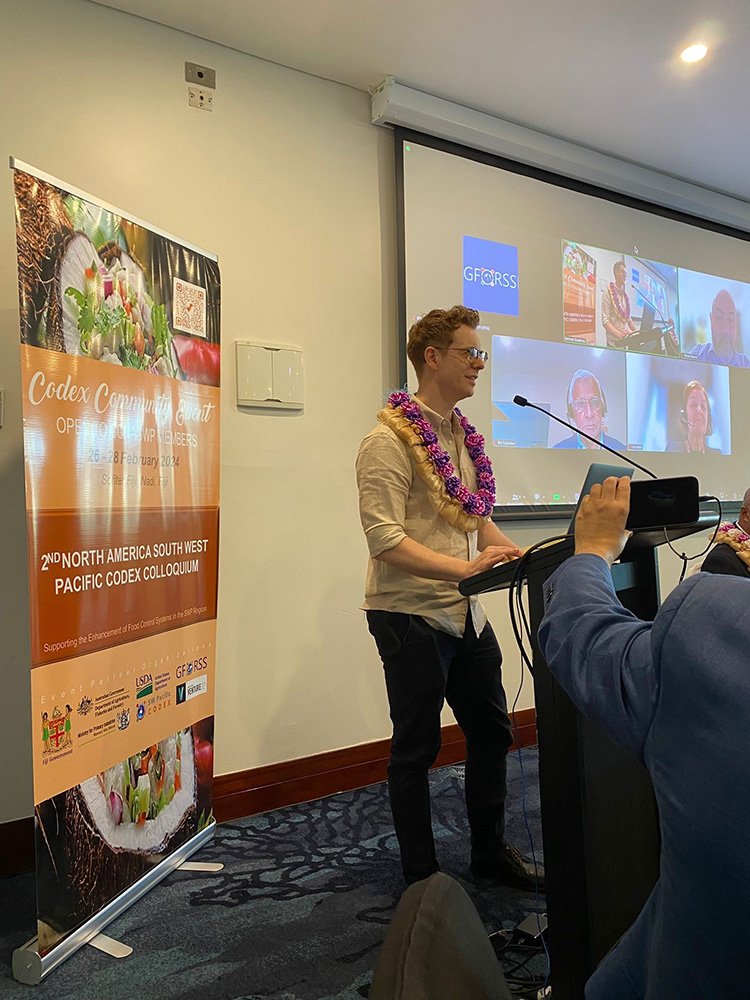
(600, 523)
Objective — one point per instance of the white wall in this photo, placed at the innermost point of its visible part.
(293, 188)
(289, 183)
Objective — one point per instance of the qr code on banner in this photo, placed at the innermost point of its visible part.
(189, 308)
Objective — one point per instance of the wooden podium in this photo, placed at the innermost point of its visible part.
(599, 817)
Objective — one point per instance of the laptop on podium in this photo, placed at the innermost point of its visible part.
(597, 473)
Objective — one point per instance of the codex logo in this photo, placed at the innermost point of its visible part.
(490, 276)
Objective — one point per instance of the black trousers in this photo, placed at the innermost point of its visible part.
(423, 668)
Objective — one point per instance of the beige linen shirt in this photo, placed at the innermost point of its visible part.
(393, 505)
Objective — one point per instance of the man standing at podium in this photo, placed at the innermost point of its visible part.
(616, 318)
(675, 693)
(426, 493)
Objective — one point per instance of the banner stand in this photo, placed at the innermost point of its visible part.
(120, 377)
(28, 965)
(116, 949)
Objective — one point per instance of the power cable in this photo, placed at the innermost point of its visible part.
(520, 619)
(686, 558)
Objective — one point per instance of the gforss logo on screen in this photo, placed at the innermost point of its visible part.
(490, 276)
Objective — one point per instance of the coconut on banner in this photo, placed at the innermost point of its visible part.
(120, 370)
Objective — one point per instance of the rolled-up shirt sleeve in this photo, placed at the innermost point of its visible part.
(384, 477)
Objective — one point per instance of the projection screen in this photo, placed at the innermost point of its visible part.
(631, 324)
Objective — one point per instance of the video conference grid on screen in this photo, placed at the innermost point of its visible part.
(606, 388)
(633, 351)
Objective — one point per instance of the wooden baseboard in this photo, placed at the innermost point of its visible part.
(258, 789)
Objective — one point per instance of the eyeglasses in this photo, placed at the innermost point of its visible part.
(583, 403)
(470, 353)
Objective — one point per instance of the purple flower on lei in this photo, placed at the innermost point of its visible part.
(476, 505)
(425, 428)
(479, 503)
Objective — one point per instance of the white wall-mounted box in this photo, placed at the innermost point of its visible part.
(269, 375)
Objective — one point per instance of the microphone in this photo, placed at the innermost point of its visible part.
(523, 401)
(684, 420)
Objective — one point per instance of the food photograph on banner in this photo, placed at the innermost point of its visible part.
(120, 344)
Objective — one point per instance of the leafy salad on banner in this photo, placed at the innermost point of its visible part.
(85, 291)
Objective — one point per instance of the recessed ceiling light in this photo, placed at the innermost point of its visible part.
(693, 53)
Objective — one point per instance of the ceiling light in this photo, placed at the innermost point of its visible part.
(693, 53)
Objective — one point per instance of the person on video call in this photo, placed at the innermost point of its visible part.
(695, 420)
(731, 554)
(675, 693)
(426, 533)
(724, 331)
(616, 317)
(587, 407)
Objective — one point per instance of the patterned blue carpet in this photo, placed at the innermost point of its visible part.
(298, 913)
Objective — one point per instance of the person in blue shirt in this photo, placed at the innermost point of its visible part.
(587, 407)
(675, 693)
(723, 347)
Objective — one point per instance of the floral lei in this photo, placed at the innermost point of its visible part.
(739, 540)
(622, 305)
(448, 495)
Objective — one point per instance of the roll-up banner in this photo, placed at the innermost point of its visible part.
(120, 378)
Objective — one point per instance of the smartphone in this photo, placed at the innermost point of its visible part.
(663, 503)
